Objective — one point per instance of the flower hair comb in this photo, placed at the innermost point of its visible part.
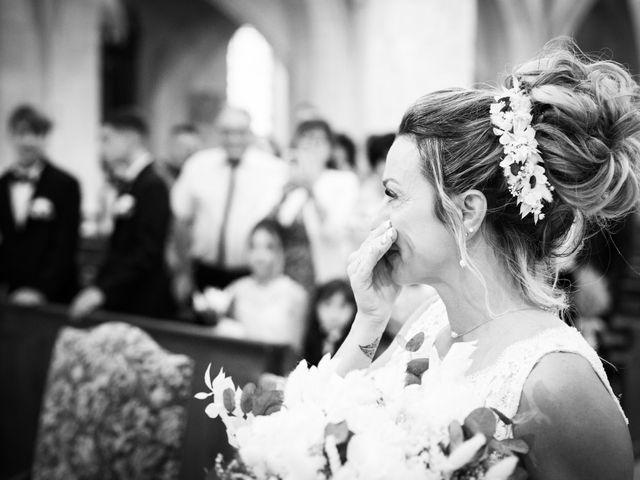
(522, 164)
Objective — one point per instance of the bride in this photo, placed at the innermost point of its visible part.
(486, 193)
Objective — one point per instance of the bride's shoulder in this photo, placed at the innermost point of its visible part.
(574, 422)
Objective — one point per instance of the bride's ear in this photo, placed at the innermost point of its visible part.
(473, 205)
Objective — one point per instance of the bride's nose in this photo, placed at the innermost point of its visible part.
(382, 215)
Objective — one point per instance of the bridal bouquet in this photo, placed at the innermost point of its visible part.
(420, 422)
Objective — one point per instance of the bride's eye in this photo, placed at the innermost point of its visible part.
(389, 193)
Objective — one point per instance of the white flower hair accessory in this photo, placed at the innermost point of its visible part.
(522, 163)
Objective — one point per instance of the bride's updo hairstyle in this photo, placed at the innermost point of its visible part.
(586, 115)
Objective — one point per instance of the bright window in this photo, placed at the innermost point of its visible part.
(250, 77)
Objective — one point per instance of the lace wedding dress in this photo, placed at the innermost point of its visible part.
(500, 385)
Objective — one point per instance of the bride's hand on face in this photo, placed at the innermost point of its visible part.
(370, 274)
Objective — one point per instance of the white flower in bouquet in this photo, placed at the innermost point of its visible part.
(322, 387)
(422, 423)
(287, 443)
(225, 396)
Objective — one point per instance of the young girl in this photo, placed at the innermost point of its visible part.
(332, 314)
(267, 305)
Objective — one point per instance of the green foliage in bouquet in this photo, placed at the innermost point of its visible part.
(484, 421)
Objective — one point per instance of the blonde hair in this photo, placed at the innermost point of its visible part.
(587, 119)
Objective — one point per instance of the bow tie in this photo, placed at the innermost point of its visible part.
(22, 177)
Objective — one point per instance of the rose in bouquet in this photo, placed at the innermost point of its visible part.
(414, 421)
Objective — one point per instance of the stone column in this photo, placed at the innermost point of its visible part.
(21, 73)
(72, 93)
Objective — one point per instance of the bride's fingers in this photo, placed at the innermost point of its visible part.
(373, 235)
(377, 230)
(372, 251)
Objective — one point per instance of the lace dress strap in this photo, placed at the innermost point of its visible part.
(506, 379)
(429, 320)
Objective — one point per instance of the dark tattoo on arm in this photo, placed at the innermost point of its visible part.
(370, 350)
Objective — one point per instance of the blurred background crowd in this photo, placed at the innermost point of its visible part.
(215, 162)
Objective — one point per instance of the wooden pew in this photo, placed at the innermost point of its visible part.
(27, 337)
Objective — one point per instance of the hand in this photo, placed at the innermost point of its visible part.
(86, 302)
(370, 274)
(307, 166)
(28, 297)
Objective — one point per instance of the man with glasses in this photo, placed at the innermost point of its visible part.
(220, 195)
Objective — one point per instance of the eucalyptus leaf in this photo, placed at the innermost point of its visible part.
(516, 445)
(229, 398)
(418, 366)
(340, 431)
(481, 420)
(268, 402)
(415, 343)
(496, 446)
(246, 400)
(411, 379)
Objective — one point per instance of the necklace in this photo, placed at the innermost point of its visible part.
(456, 335)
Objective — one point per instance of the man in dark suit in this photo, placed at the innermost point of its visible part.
(39, 218)
(133, 278)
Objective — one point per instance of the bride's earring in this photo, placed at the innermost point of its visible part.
(463, 263)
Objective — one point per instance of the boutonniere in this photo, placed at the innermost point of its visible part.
(41, 209)
(125, 204)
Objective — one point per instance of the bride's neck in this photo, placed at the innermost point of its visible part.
(472, 301)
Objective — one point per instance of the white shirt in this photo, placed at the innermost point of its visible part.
(273, 312)
(200, 192)
(22, 194)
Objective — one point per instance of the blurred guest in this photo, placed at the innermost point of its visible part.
(597, 279)
(133, 278)
(269, 145)
(371, 192)
(377, 149)
(332, 313)
(221, 194)
(596, 290)
(39, 217)
(316, 208)
(304, 111)
(268, 305)
(344, 154)
(185, 140)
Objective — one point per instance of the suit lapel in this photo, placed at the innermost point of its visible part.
(141, 176)
(41, 186)
(6, 211)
